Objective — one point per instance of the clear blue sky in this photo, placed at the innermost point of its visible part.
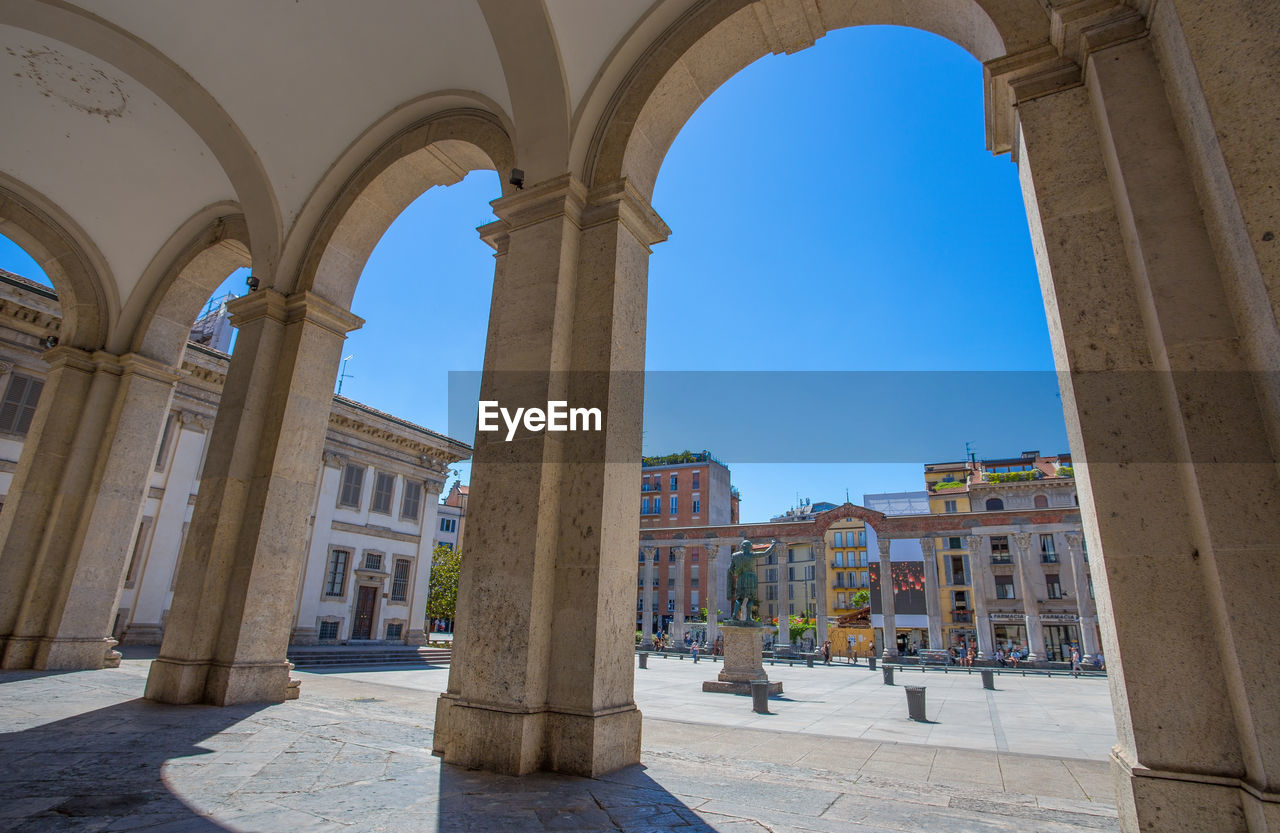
(835, 210)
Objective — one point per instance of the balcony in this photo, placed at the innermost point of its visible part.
(958, 578)
(1001, 559)
(962, 617)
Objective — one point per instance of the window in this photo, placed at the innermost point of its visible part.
(412, 500)
(791, 555)
(336, 578)
(352, 484)
(862, 538)
(954, 544)
(1047, 553)
(641, 556)
(961, 600)
(394, 629)
(696, 479)
(328, 631)
(791, 593)
(373, 561)
(994, 504)
(697, 506)
(808, 573)
(671, 605)
(383, 485)
(1041, 502)
(840, 601)
(791, 574)
(640, 604)
(674, 500)
(839, 579)
(644, 506)
(640, 580)
(400, 581)
(693, 576)
(673, 482)
(1054, 585)
(448, 524)
(671, 556)
(163, 453)
(19, 404)
(1004, 587)
(839, 539)
(948, 506)
(1000, 549)
(671, 581)
(839, 560)
(693, 600)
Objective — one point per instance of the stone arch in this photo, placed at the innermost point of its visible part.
(438, 150)
(75, 267)
(693, 58)
(1040, 501)
(994, 504)
(198, 258)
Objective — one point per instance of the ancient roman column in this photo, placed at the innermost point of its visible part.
(417, 632)
(980, 567)
(76, 502)
(890, 625)
(1084, 604)
(1028, 587)
(677, 620)
(713, 591)
(820, 580)
(932, 599)
(239, 574)
(783, 638)
(646, 614)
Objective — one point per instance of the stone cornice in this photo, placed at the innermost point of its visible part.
(620, 201)
(375, 532)
(561, 196)
(430, 456)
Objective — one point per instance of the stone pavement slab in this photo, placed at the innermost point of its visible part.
(84, 752)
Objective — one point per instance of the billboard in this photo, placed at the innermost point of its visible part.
(908, 588)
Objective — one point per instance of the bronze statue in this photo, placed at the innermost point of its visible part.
(743, 584)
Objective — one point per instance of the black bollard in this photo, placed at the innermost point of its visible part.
(760, 696)
(644, 659)
(887, 671)
(871, 663)
(988, 679)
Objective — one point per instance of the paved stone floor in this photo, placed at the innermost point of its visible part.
(82, 752)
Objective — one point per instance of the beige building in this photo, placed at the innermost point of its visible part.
(1147, 139)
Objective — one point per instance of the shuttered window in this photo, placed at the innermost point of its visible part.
(19, 404)
(412, 500)
(352, 485)
(383, 485)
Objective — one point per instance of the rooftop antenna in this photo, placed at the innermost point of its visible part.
(969, 452)
(343, 374)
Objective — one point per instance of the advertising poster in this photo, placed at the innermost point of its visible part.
(908, 587)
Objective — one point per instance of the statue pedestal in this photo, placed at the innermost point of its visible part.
(742, 660)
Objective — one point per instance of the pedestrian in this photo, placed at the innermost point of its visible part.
(1076, 666)
(1013, 657)
(1100, 660)
(970, 657)
(826, 652)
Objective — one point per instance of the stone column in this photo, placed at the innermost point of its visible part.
(85, 503)
(820, 581)
(646, 614)
(1028, 587)
(980, 566)
(239, 574)
(417, 631)
(156, 575)
(783, 638)
(1080, 586)
(570, 295)
(886, 602)
(713, 585)
(932, 598)
(677, 620)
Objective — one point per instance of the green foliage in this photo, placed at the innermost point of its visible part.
(800, 623)
(685, 456)
(442, 596)
(1066, 471)
(948, 484)
(861, 598)
(1011, 476)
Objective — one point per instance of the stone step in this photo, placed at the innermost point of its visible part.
(381, 655)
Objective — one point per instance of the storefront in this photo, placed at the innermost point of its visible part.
(1061, 634)
(1009, 630)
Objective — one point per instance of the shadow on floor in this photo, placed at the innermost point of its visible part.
(90, 771)
(627, 800)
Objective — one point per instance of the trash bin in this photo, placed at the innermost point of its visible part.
(760, 696)
(915, 702)
(887, 671)
(871, 663)
(988, 679)
(644, 659)
(808, 660)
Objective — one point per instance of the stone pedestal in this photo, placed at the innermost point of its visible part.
(742, 660)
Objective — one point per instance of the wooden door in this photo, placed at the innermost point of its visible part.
(363, 627)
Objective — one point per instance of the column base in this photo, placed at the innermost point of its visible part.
(305, 636)
(143, 633)
(59, 654)
(1177, 802)
(483, 737)
(417, 636)
(184, 682)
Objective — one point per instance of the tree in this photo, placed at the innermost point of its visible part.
(442, 596)
(861, 598)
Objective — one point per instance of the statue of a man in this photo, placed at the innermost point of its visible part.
(742, 582)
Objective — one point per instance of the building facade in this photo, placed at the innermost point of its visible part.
(452, 520)
(673, 583)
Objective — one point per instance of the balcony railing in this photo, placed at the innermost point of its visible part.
(958, 578)
(963, 617)
(1001, 559)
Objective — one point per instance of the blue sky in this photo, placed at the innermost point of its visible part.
(834, 210)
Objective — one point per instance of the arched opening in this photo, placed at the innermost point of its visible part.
(1041, 502)
(994, 504)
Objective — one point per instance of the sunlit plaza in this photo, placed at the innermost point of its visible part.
(836, 753)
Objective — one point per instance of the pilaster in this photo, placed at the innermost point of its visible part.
(980, 565)
(888, 614)
(932, 598)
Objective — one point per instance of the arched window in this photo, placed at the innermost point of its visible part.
(1042, 502)
(994, 504)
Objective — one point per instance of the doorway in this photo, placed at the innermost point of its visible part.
(366, 600)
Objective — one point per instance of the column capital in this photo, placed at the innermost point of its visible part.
(678, 552)
(883, 545)
(1022, 540)
(619, 201)
(973, 543)
(433, 487)
(289, 309)
(135, 364)
(650, 553)
(563, 195)
(200, 421)
(927, 546)
(1074, 541)
(74, 358)
(334, 460)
